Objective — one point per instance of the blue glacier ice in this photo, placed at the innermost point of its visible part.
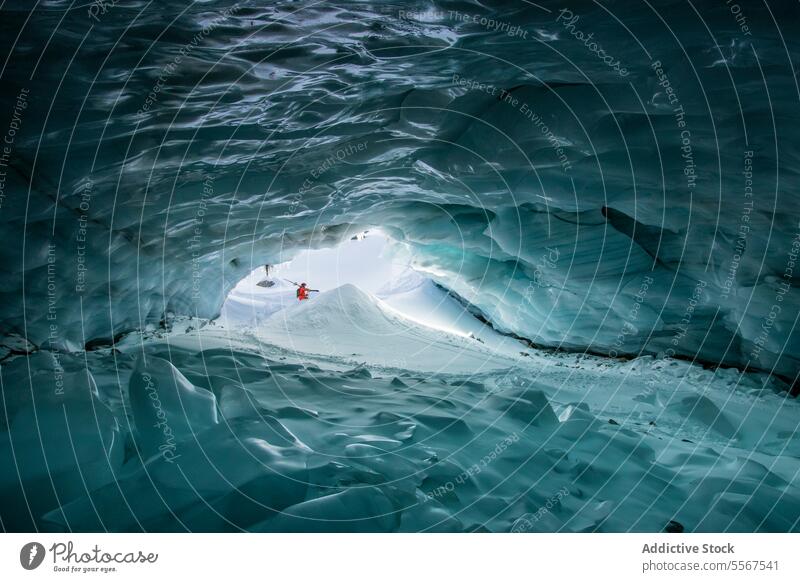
(600, 201)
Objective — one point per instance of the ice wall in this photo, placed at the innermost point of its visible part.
(617, 178)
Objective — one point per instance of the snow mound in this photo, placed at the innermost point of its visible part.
(408, 281)
(349, 323)
(346, 306)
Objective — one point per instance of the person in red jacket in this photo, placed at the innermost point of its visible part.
(303, 291)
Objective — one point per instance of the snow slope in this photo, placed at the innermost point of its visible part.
(349, 323)
(250, 304)
(418, 299)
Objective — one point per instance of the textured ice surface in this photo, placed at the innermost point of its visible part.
(162, 152)
(166, 407)
(59, 436)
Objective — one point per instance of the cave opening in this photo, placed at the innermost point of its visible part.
(366, 298)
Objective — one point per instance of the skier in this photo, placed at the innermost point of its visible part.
(303, 291)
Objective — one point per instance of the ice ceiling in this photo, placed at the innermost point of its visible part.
(619, 178)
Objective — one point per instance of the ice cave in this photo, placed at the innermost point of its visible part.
(550, 251)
